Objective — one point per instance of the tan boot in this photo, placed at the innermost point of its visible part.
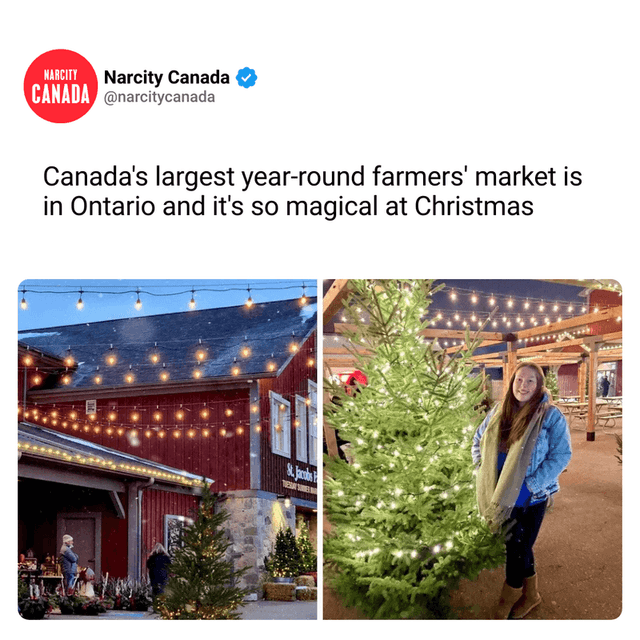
(508, 597)
(530, 598)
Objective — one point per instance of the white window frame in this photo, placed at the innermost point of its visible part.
(312, 422)
(301, 429)
(280, 439)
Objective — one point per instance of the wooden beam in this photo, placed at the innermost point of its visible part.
(457, 334)
(593, 378)
(577, 321)
(347, 362)
(511, 360)
(548, 346)
(579, 342)
(484, 343)
(334, 299)
(339, 350)
(582, 379)
(432, 334)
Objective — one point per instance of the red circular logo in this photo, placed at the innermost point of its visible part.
(60, 86)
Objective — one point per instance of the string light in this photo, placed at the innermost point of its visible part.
(101, 462)
(111, 357)
(249, 302)
(45, 289)
(69, 360)
(80, 303)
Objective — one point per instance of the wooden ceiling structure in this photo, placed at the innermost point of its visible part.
(549, 345)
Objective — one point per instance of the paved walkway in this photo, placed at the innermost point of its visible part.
(578, 551)
(259, 610)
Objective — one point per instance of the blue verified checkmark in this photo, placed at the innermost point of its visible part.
(246, 77)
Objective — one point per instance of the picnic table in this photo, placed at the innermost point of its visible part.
(607, 410)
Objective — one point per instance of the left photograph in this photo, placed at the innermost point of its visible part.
(167, 449)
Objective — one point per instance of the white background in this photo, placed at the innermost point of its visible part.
(408, 85)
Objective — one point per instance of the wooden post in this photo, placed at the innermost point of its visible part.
(582, 379)
(593, 380)
(330, 434)
(512, 362)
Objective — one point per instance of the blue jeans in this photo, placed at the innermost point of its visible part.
(69, 580)
(523, 528)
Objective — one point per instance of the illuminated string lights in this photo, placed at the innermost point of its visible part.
(105, 463)
(139, 371)
(249, 301)
(154, 419)
(120, 290)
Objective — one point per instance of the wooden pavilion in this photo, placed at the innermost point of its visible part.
(585, 341)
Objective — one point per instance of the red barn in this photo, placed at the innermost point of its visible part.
(120, 420)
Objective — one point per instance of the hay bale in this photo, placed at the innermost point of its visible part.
(280, 591)
(307, 593)
(305, 581)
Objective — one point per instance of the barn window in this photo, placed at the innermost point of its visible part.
(280, 425)
(312, 422)
(174, 527)
(301, 429)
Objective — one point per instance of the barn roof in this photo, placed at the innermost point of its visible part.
(44, 443)
(224, 344)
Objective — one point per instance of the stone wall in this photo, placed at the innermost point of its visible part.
(252, 527)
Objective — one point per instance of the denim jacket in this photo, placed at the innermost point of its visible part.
(550, 456)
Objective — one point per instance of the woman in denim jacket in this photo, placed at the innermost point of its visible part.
(519, 451)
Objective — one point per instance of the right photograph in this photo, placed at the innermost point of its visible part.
(473, 449)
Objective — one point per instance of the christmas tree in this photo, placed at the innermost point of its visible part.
(405, 524)
(551, 383)
(284, 561)
(308, 558)
(201, 583)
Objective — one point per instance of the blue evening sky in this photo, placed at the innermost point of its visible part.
(52, 303)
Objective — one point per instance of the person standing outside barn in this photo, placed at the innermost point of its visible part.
(69, 562)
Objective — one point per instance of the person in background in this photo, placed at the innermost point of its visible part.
(520, 450)
(158, 567)
(69, 562)
(605, 386)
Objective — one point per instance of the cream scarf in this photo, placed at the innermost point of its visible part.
(497, 496)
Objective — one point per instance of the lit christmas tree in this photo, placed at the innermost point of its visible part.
(201, 583)
(284, 561)
(551, 383)
(405, 525)
(308, 558)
